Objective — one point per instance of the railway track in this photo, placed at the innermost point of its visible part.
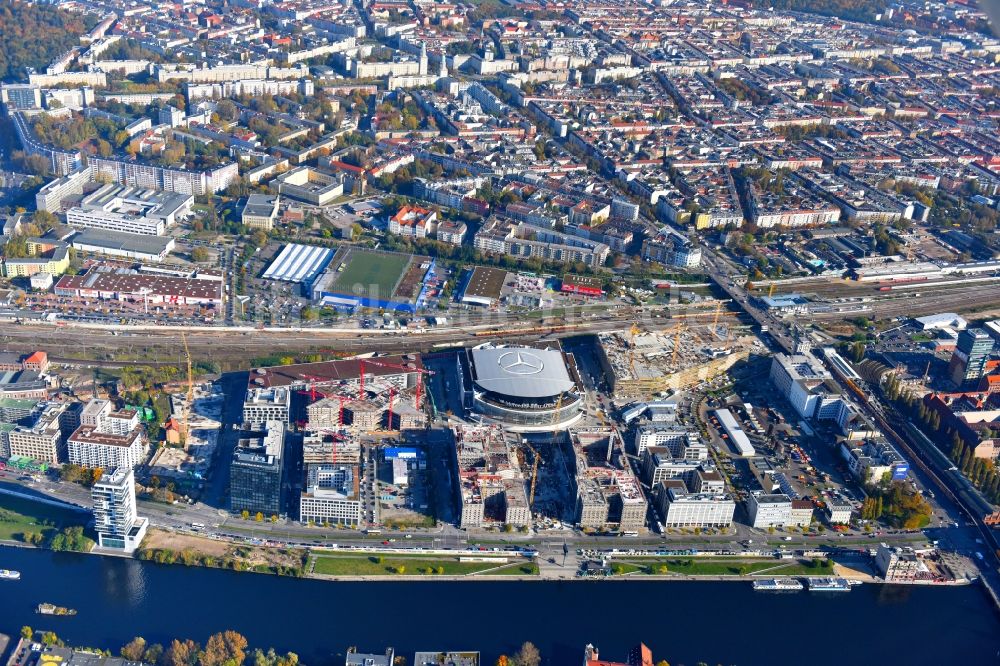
(956, 299)
(164, 345)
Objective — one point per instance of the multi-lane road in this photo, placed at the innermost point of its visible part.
(211, 511)
(727, 280)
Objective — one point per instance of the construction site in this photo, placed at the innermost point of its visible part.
(608, 495)
(403, 487)
(331, 494)
(366, 394)
(195, 423)
(491, 481)
(642, 362)
(582, 478)
(347, 412)
(550, 475)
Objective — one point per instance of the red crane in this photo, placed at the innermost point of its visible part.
(406, 368)
(340, 418)
(336, 436)
(311, 386)
(313, 380)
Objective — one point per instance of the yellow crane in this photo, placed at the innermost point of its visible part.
(770, 292)
(634, 331)
(534, 472)
(189, 403)
(677, 344)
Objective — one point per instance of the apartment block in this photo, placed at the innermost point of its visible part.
(116, 522)
(90, 447)
(43, 441)
(266, 404)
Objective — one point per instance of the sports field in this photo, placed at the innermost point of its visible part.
(376, 273)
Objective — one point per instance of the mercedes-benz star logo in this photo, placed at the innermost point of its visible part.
(520, 363)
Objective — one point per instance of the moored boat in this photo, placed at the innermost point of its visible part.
(777, 585)
(827, 584)
(52, 609)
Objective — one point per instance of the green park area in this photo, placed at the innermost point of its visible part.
(721, 567)
(407, 565)
(523, 569)
(20, 517)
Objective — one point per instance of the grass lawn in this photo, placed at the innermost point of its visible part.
(368, 565)
(715, 567)
(405, 523)
(728, 567)
(824, 568)
(377, 274)
(526, 569)
(18, 516)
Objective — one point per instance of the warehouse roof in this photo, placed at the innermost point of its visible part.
(131, 283)
(735, 432)
(115, 240)
(332, 372)
(943, 320)
(298, 263)
(485, 284)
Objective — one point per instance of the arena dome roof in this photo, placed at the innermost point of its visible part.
(522, 372)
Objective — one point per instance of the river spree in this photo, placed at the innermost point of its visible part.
(684, 623)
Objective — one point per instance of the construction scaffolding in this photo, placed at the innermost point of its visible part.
(490, 473)
(640, 364)
(607, 492)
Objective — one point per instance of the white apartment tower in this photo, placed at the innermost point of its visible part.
(115, 520)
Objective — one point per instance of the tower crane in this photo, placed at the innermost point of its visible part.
(677, 344)
(190, 388)
(406, 368)
(534, 472)
(311, 387)
(634, 331)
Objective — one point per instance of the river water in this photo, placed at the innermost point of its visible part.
(682, 622)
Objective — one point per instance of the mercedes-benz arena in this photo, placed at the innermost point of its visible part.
(525, 389)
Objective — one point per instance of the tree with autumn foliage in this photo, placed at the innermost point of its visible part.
(226, 648)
